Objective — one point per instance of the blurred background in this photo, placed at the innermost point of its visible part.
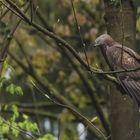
(22, 102)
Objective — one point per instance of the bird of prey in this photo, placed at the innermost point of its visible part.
(120, 57)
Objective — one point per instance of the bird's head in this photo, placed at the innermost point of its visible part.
(104, 41)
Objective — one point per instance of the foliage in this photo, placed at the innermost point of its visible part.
(42, 59)
(13, 125)
(47, 137)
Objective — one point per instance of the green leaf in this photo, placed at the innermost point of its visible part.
(47, 137)
(14, 89)
(18, 90)
(11, 89)
(28, 125)
(4, 129)
(15, 132)
(3, 81)
(15, 113)
(25, 116)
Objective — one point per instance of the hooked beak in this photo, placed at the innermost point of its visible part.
(95, 45)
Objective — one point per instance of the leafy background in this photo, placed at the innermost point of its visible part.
(23, 107)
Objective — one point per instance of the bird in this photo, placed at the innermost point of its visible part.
(120, 57)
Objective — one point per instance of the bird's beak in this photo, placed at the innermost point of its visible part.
(95, 45)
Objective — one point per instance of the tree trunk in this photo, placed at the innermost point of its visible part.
(125, 117)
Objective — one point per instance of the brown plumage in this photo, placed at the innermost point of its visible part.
(119, 59)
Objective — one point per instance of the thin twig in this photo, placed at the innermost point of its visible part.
(68, 46)
(19, 129)
(91, 93)
(31, 10)
(99, 71)
(31, 111)
(9, 8)
(7, 40)
(3, 14)
(25, 55)
(52, 92)
(69, 108)
(22, 15)
(122, 27)
(78, 27)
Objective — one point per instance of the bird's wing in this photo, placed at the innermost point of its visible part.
(129, 51)
(130, 81)
(131, 86)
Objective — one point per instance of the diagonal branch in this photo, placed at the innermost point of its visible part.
(90, 92)
(64, 43)
(53, 94)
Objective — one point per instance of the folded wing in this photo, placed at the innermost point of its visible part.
(128, 59)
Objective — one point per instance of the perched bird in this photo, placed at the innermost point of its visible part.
(121, 57)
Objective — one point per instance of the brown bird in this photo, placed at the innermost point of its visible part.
(121, 57)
